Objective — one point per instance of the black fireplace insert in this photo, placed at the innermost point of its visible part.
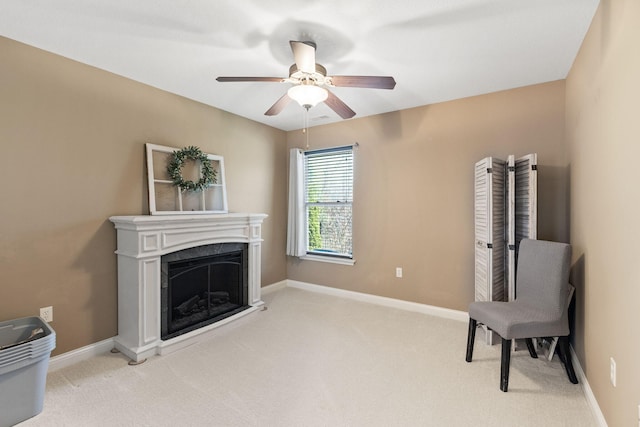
(202, 285)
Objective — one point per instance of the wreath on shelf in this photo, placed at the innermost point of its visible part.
(207, 173)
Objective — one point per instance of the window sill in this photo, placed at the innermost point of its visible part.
(329, 259)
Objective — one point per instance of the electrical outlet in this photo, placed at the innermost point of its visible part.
(47, 313)
(612, 373)
(399, 272)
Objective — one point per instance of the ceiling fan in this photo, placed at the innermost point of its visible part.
(310, 82)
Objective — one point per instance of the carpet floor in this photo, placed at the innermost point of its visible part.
(318, 360)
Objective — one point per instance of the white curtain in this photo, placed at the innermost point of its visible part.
(296, 227)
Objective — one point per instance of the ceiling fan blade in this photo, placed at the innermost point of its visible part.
(278, 106)
(250, 79)
(373, 82)
(338, 106)
(304, 54)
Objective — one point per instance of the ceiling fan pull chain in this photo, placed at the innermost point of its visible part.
(306, 124)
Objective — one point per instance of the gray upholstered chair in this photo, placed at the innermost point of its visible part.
(540, 307)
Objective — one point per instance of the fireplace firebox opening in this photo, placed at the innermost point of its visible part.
(202, 285)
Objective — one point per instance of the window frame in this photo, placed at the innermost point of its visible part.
(331, 257)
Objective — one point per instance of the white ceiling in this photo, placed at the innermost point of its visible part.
(437, 50)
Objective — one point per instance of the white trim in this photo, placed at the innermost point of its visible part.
(74, 356)
(588, 393)
(67, 359)
(274, 287)
(78, 355)
(447, 313)
(142, 241)
(329, 259)
(440, 312)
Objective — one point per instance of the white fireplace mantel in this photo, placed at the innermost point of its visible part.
(142, 240)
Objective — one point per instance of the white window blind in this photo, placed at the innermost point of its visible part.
(328, 201)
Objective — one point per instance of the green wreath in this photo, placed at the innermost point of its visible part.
(208, 175)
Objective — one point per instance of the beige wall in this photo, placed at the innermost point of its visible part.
(73, 137)
(72, 142)
(603, 132)
(413, 202)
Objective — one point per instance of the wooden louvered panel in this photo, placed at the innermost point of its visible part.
(489, 232)
(482, 226)
(510, 200)
(489, 205)
(481, 201)
(526, 193)
(510, 235)
(498, 229)
(525, 198)
(481, 273)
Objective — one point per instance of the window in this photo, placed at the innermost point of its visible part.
(328, 176)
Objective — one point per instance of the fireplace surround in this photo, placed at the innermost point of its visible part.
(142, 243)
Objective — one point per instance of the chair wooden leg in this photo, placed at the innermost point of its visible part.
(565, 357)
(504, 369)
(471, 336)
(531, 348)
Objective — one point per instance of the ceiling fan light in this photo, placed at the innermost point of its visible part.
(307, 95)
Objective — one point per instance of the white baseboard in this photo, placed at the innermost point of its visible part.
(78, 355)
(586, 388)
(74, 356)
(440, 312)
(273, 287)
(387, 302)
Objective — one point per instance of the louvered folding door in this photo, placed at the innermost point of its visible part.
(505, 213)
(489, 213)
